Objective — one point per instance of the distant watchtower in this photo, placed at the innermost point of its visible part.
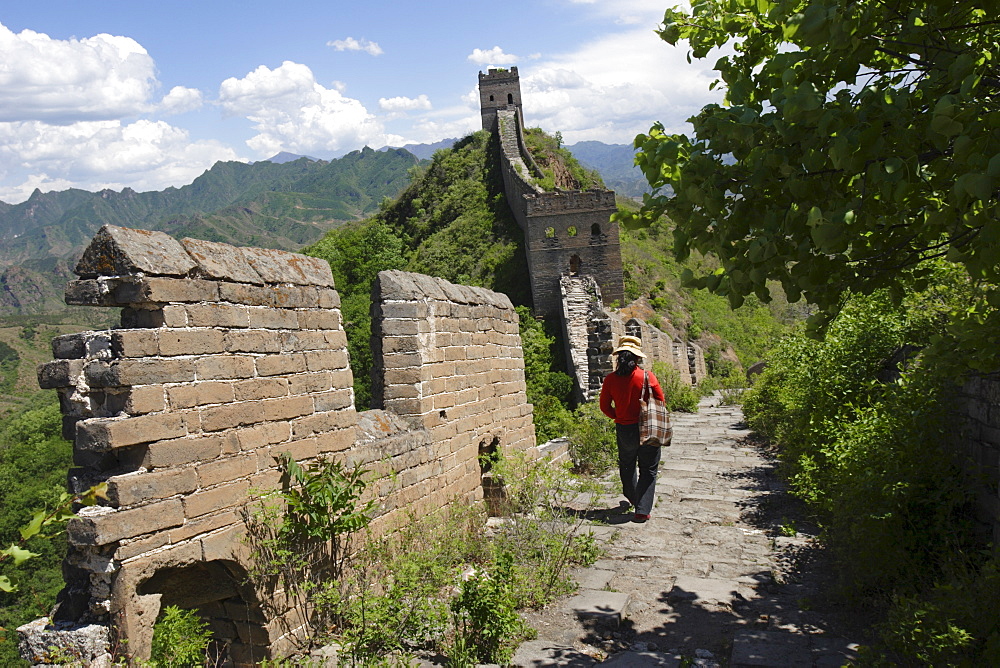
(498, 89)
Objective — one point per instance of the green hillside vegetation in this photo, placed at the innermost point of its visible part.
(262, 204)
(559, 167)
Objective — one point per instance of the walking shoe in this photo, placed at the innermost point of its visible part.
(639, 517)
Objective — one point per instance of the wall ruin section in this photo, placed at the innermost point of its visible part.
(226, 358)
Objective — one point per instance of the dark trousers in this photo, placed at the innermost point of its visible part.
(637, 466)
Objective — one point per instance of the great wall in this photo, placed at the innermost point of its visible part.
(227, 357)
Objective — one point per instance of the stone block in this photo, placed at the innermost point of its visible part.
(253, 341)
(180, 451)
(145, 399)
(88, 292)
(286, 408)
(297, 341)
(276, 266)
(273, 318)
(129, 549)
(260, 436)
(221, 261)
(222, 417)
(296, 296)
(118, 251)
(312, 382)
(104, 434)
(228, 469)
(217, 315)
(299, 449)
(327, 298)
(404, 327)
(403, 310)
(132, 488)
(276, 365)
(248, 295)
(224, 545)
(323, 360)
(333, 400)
(191, 342)
(152, 289)
(134, 343)
(262, 388)
(106, 528)
(215, 367)
(60, 373)
(319, 423)
(120, 373)
(335, 441)
(319, 319)
(228, 495)
(70, 346)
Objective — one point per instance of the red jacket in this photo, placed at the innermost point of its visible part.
(620, 395)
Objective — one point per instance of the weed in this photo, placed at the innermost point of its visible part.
(180, 638)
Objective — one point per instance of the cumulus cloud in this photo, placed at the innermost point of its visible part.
(145, 155)
(180, 100)
(351, 44)
(404, 103)
(292, 112)
(494, 56)
(61, 81)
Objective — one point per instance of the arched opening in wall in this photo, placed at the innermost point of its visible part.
(218, 593)
(491, 98)
(493, 487)
(550, 233)
(633, 328)
(571, 230)
(595, 229)
(510, 98)
(575, 265)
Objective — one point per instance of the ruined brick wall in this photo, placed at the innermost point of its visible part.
(450, 360)
(979, 402)
(226, 358)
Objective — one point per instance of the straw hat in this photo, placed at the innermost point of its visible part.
(631, 344)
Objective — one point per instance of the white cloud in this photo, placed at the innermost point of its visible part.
(291, 112)
(61, 81)
(404, 103)
(351, 44)
(494, 56)
(180, 100)
(145, 155)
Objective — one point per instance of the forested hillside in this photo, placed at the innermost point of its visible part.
(263, 204)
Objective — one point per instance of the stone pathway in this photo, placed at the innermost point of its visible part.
(710, 580)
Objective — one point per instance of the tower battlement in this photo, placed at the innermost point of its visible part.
(498, 89)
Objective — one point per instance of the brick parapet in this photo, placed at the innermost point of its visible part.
(979, 446)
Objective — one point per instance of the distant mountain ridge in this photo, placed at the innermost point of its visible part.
(267, 204)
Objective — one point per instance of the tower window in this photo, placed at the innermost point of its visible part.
(550, 233)
(595, 229)
(510, 98)
(571, 230)
(574, 265)
(491, 98)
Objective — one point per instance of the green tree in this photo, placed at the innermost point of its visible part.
(858, 140)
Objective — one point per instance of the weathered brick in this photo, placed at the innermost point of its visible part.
(191, 342)
(336, 339)
(328, 298)
(401, 392)
(319, 319)
(224, 496)
(200, 394)
(276, 365)
(88, 292)
(111, 527)
(404, 327)
(307, 383)
(226, 470)
(215, 367)
(318, 423)
(400, 360)
(403, 310)
(407, 376)
(59, 373)
(145, 399)
(299, 449)
(119, 373)
(70, 346)
(260, 436)
(261, 388)
(323, 360)
(217, 315)
(335, 441)
(300, 341)
(332, 400)
(405, 344)
(147, 318)
(227, 545)
(296, 296)
(286, 408)
(152, 289)
(179, 451)
(273, 318)
(103, 434)
(132, 488)
(276, 266)
(218, 418)
(251, 295)
(133, 548)
(254, 341)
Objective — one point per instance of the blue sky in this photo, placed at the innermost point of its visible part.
(147, 95)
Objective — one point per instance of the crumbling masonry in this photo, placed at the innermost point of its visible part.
(226, 358)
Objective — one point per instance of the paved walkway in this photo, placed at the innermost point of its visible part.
(711, 579)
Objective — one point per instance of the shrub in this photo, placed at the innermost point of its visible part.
(678, 395)
(592, 443)
(180, 638)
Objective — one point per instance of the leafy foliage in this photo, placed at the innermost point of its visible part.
(592, 442)
(180, 638)
(559, 167)
(859, 139)
(548, 390)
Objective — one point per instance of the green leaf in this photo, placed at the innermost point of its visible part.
(18, 554)
(6, 585)
(34, 527)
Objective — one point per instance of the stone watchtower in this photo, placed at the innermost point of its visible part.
(498, 89)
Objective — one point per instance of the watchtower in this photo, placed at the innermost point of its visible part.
(499, 89)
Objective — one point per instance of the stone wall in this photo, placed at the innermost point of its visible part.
(591, 332)
(226, 358)
(979, 402)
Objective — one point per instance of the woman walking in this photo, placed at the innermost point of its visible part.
(620, 395)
